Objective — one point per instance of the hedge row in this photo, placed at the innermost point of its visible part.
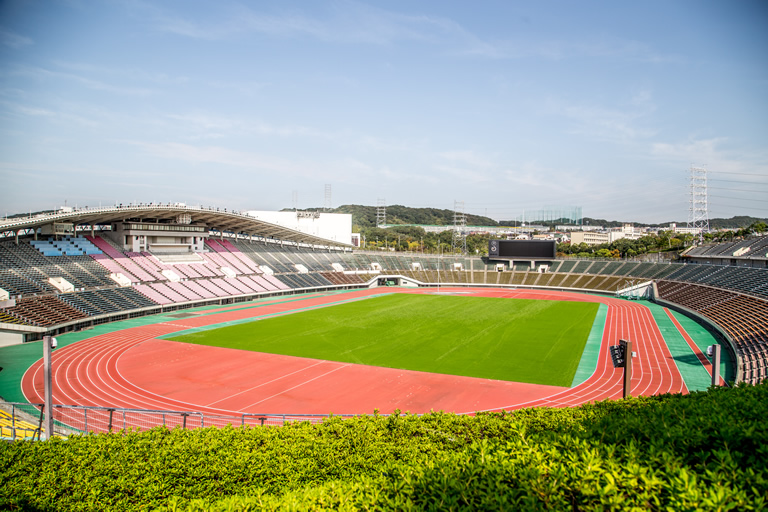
(703, 451)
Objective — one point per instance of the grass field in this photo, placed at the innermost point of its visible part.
(534, 341)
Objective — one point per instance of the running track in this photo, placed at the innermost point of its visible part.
(131, 369)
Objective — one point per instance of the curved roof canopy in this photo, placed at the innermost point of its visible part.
(214, 219)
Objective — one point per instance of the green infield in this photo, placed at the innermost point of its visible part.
(534, 341)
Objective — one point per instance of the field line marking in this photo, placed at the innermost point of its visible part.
(296, 386)
(268, 382)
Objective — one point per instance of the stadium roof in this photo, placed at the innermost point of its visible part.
(215, 219)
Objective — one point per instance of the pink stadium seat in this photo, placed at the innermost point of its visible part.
(224, 285)
(209, 285)
(113, 266)
(168, 292)
(151, 294)
(199, 289)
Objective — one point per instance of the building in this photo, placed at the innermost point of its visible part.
(330, 226)
(606, 237)
(590, 238)
(684, 230)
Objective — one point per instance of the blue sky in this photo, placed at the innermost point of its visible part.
(506, 106)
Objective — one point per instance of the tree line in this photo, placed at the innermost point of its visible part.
(417, 239)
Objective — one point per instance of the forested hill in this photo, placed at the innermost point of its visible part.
(737, 222)
(365, 216)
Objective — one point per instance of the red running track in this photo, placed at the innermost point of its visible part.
(132, 369)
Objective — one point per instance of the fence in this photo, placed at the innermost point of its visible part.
(26, 420)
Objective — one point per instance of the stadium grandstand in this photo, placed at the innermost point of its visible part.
(70, 271)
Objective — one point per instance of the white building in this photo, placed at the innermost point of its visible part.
(684, 230)
(589, 238)
(331, 226)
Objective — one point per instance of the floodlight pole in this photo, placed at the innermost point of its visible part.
(48, 378)
(627, 367)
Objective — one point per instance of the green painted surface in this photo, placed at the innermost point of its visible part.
(591, 353)
(695, 375)
(703, 339)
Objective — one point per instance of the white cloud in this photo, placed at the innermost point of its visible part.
(60, 114)
(709, 153)
(13, 40)
(215, 155)
(89, 83)
(611, 124)
(206, 126)
(344, 22)
(468, 157)
(133, 74)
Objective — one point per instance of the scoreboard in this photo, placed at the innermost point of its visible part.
(522, 249)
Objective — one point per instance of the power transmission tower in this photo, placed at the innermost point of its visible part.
(698, 215)
(381, 213)
(295, 199)
(328, 197)
(459, 228)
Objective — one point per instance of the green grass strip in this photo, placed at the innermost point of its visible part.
(591, 353)
(694, 374)
(535, 341)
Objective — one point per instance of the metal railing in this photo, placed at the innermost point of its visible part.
(27, 419)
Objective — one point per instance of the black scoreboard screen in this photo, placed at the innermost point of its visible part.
(523, 249)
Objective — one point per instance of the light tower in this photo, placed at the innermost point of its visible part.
(381, 213)
(698, 215)
(328, 203)
(459, 228)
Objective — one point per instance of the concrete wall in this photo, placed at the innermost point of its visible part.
(11, 338)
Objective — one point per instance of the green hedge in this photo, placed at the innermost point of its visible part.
(702, 451)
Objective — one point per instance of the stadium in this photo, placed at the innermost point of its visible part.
(68, 274)
(397, 256)
(175, 320)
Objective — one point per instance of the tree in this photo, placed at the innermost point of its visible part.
(758, 227)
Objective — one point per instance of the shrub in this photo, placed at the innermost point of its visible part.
(674, 452)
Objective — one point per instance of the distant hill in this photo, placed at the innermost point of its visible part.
(365, 217)
(732, 223)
